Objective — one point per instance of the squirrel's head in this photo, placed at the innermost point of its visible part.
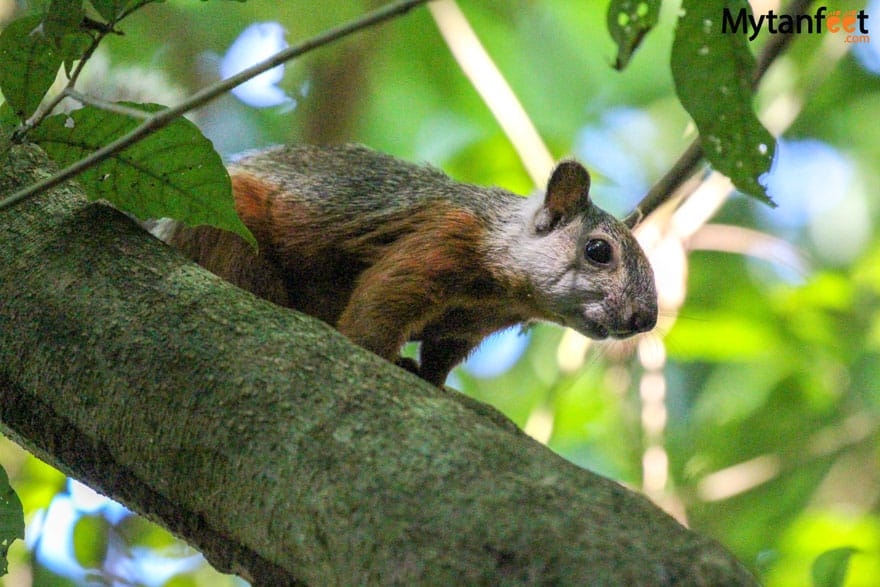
(586, 269)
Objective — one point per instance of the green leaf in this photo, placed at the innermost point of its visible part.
(109, 9)
(830, 567)
(8, 119)
(112, 10)
(11, 519)
(63, 18)
(713, 79)
(628, 22)
(73, 47)
(172, 173)
(30, 63)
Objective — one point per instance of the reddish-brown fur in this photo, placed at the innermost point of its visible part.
(416, 279)
(387, 251)
(412, 277)
(252, 197)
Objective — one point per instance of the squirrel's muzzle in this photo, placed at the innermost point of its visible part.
(637, 316)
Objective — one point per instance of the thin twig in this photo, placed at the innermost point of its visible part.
(105, 105)
(90, 24)
(165, 117)
(689, 161)
(661, 191)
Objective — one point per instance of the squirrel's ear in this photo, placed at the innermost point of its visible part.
(568, 194)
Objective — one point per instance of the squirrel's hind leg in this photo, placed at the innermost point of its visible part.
(389, 301)
(411, 285)
(440, 355)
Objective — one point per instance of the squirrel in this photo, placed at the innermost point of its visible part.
(388, 251)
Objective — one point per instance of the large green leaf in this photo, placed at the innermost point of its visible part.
(30, 61)
(173, 173)
(11, 519)
(713, 79)
(628, 22)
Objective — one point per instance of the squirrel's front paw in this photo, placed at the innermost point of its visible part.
(409, 364)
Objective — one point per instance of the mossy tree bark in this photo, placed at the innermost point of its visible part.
(267, 440)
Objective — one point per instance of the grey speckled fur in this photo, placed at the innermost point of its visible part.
(340, 229)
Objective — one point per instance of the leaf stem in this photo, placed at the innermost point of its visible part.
(202, 97)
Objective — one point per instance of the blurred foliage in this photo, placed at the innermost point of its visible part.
(831, 567)
(772, 375)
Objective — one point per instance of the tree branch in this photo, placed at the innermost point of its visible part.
(269, 441)
(165, 117)
(687, 164)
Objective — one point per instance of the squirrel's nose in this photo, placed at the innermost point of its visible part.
(641, 317)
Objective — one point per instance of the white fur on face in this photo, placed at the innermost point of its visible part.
(566, 288)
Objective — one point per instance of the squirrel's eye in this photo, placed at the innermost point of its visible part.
(598, 251)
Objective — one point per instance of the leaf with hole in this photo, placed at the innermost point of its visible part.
(713, 78)
(173, 173)
(628, 22)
